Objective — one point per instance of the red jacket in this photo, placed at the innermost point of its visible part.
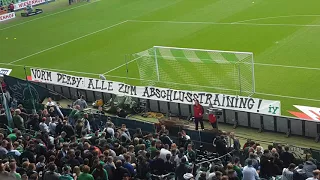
(212, 118)
(198, 111)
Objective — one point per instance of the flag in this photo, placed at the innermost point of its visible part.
(7, 110)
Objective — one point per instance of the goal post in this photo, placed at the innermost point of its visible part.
(197, 69)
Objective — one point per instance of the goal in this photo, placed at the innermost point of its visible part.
(197, 69)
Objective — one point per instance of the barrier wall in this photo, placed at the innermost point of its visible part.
(280, 124)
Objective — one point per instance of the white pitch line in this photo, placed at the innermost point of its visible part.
(120, 66)
(216, 23)
(39, 52)
(48, 15)
(285, 66)
(275, 17)
(289, 97)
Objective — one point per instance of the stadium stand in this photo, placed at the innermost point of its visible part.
(59, 143)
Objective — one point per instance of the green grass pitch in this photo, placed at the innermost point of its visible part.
(95, 37)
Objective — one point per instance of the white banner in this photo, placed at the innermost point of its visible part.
(7, 16)
(224, 101)
(24, 4)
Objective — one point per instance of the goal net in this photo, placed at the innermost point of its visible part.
(197, 69)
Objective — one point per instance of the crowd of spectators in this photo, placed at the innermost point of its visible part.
(79, 146)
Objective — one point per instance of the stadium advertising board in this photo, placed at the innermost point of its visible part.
(7, 16)
(5, 71)
(224, 101)
(21, 5)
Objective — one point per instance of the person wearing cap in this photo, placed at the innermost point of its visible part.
(198, 114)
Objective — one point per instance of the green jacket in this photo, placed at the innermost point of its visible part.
(65, 177)
(238, 170)
(18, 122)
(85, 176)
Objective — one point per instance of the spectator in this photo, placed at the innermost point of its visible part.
(181, 169)
(99, 173)
(190, 153)
(309, 167)
(237, 168)
(11, 7)
(255, 162)
(299, 173)
(13, 171)
(157, 165)
(3, 148)
(43, 126)
(109, 167)
(164, 152)
(18, 120)
(120, 171)
(85, 175)
(12, 151)
(66, 175)
(234, 142)
(198, 114)
(51, 174)
(127, 164)
(249, 172)
(315, 175)
(259, 151)
(81, 102)
(287, 173)
(287, 157)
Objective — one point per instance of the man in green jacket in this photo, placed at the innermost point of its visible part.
(85, 175)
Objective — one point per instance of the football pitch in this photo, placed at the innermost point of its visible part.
(92, 38)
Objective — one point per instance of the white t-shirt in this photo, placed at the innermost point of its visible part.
(163, 154)
(52, 103)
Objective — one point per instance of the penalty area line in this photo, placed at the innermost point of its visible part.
(120, 66)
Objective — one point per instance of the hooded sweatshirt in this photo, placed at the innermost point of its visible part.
(309, 167)
(287, 174)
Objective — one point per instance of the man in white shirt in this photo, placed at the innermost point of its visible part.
(50, 102)
(53, 104)
(164, 151)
